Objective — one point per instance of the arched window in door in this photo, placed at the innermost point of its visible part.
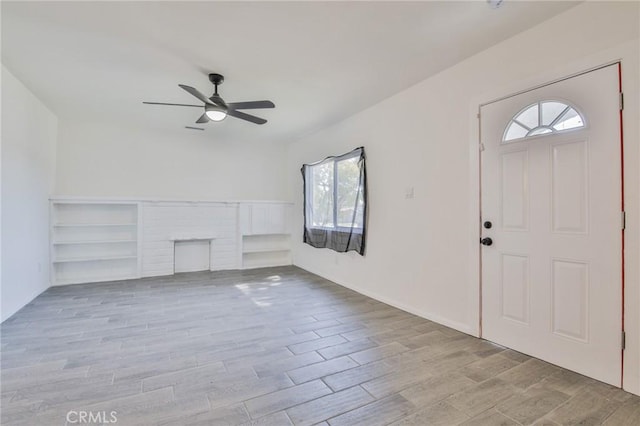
(542, 118)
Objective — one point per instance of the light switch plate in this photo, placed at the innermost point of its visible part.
(408, 192)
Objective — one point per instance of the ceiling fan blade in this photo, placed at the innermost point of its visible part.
(164, 103)
(203, 119)
(251, 105)
(248, 117)
(193, 128)
(195, 93)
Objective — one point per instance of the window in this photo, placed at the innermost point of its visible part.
(335, 202)
(543, 118)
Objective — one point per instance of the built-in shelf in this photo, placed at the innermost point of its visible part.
(92, 225)
(267, 249)
(91, 279)
(94, 241)
(92, 259)
(59, 243)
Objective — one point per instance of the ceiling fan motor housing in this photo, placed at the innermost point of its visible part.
(216, 99)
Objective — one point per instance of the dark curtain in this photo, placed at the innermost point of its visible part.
(335, 202)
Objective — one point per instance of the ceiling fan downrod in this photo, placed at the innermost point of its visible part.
(216, 79)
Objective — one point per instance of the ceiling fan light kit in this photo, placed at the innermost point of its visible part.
(215, 112)
(216, 109)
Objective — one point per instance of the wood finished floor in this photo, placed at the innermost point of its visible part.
(272, 346)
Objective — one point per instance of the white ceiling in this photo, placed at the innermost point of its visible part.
(319, 62)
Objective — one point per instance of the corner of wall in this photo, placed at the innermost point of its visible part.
(28, 153)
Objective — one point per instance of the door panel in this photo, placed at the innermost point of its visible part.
(515, 287)
(551, 280)
(570, 187)
(515, 190)
(570, 281)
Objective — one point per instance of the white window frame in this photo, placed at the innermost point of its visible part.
(310, 189)
(553, 131)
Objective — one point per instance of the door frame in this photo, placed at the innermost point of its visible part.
(478, 180)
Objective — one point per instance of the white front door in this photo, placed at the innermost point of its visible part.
(552, 190)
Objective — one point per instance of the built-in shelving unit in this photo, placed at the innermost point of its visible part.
(266, 250)
(93, 241)
(265, 230)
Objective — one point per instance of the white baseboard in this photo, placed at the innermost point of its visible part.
(464, 328)
(28, 300)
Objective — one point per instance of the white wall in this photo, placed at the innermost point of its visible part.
(29, 132)
(113, 161)
(422, 253)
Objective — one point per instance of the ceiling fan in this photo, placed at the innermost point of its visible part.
(216, 109)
